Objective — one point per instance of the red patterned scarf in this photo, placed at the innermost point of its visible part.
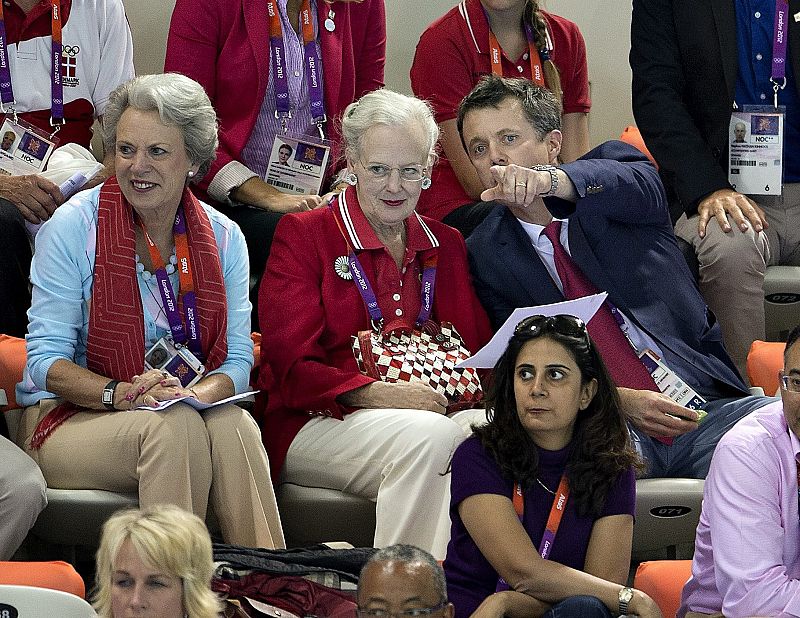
(115, 344)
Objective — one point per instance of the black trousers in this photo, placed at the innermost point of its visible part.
(15, 268)
(258, 227)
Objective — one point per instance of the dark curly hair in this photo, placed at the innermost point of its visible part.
(601, 446)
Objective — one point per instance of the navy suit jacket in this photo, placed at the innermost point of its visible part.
(621, 236)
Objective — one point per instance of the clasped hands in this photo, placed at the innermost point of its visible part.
(150, 388)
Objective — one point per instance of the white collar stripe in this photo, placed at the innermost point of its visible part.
(427, 230)
(462, 8)
(348, 222)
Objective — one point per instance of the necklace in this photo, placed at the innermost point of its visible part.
(543, 486)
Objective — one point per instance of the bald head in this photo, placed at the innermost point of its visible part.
(403, 578)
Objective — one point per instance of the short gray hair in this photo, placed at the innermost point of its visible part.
(391, 109)
(180, 102)
(409, 554)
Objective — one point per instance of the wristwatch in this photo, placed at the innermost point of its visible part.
(107, 399)
(552, 170)
(625, 596)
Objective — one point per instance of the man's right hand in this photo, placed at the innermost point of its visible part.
(256, 192)
(35, 197)
(656, 414)
(720, 204)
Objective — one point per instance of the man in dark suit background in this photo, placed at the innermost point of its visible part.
(693, 62)
(615, 225)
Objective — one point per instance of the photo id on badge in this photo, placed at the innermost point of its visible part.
(176, 360)
(755, 155)
(297, 164)
(24, 149)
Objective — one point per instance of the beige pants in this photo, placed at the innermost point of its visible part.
(176, 456)
(733, 264)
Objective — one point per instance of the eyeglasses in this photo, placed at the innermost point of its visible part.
(790, 383)
(416, 612)
(562, 324)
(409, 173)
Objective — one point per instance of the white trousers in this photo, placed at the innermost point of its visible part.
(398, 458)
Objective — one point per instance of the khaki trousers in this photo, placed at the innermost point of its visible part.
(176, 456)
(733, 264)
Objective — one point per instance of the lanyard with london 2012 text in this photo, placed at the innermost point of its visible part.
(311, 63)
(368, 294)
(779, 45)
(7, 102)
(536, 58)
(553, 520)
(189, 335)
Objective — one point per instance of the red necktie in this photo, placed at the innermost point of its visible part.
(624, 366)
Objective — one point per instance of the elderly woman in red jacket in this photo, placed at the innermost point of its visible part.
(325, 422)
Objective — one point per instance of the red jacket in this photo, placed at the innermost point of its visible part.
(224, 45)
(309, 314)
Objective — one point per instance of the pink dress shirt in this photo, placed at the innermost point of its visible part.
(747, 550)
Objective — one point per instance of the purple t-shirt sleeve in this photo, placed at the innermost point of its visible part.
(621, 498)
(475, 472)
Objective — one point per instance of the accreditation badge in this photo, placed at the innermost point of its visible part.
(24, 149)
(297, 164)
(755, 155)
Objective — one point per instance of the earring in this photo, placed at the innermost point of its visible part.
(351, 179)
(190, 174)
(426, 183)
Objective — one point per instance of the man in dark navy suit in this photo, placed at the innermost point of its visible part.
(608, 214)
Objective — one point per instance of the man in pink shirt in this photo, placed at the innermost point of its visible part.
(747, 551)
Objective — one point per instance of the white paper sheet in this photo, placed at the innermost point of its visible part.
(487, 357)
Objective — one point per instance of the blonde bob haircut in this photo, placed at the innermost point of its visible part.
(166, 538)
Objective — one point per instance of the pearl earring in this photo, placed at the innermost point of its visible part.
(190, 174)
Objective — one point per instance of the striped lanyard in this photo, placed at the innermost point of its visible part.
(7, 102)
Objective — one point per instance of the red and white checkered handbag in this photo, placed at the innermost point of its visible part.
(428, 356)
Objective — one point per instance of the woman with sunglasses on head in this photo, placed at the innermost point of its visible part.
(325, 423)
(542, 496)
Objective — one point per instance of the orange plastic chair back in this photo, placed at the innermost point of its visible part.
(764, 361)
(663, 580)
(55, 575)
(632, 136)
(12, 362)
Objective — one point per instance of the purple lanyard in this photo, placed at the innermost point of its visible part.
(779, 45)
(312, 60)
(186, 336)
(371, 301)
(7, 101)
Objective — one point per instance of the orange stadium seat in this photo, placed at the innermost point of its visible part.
(663, 580)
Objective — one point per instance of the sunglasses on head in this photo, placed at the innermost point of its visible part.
(566, 325)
